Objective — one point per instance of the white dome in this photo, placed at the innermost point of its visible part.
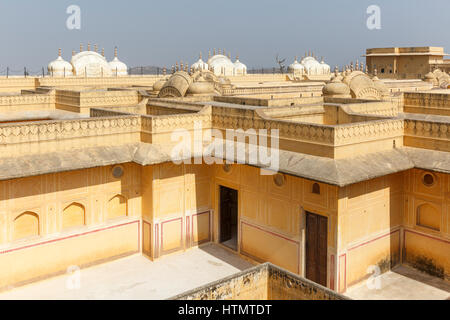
(296, 66)
(239, 67)
(91, 63)
(60, 67)
(314, 67)
(200, 64)
(310, 62)
(118, 67)
(325, 67)
(221, 65)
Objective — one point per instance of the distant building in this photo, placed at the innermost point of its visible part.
(406, 63)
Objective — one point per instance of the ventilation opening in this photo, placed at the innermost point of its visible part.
(315, 188)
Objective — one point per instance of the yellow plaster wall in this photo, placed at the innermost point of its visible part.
(177, 202)
(54, 208)
(55, 256)
(272, 218)
(427, 238)
(370, 216)
(73, 216)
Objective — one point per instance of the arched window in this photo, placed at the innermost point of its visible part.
(73, 216)
(117, 207)
(428, 217)
(315, 188)
(26, 225)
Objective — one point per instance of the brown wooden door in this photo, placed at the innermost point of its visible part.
(316, 248)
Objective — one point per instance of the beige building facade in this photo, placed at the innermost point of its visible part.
(407, 62)
(88, 175)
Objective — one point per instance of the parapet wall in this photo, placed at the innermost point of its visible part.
(427, 103)
(27, 102)
(263, 282)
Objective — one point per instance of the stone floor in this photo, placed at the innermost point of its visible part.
(136, 277)
(402, 283)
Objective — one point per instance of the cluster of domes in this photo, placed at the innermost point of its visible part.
(310, 66)
(220, 64)
(355, 84)
(87, 63)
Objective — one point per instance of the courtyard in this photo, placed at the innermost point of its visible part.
(402, 283)
(136, 277)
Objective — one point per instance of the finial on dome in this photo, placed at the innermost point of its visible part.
(181, 65)
(95, 48)
(209, 54)
(73, 53)
(220, 52)
(115, 52)
(59, 52)
(103, 52)
(173, 69)
(164, 71)
(81, 47)
(237, 57)
(200, 56)
(214, 51)
(176, 66)
(89, 46)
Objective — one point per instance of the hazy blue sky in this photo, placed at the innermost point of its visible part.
(162, 32)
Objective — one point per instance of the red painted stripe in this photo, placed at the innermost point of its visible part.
(372, 240)
(162, 230)
(150, 230)
(272, 233)
(209, 224)
(156, 240)
(345, 273)
(69, 237)
(332, 272)
(426, 235)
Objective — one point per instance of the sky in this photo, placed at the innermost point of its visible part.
(160, 33)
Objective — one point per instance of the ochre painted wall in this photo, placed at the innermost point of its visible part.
(272, 218)
(377, 222)
(370, 217)
(50, 222)
(427, 238)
